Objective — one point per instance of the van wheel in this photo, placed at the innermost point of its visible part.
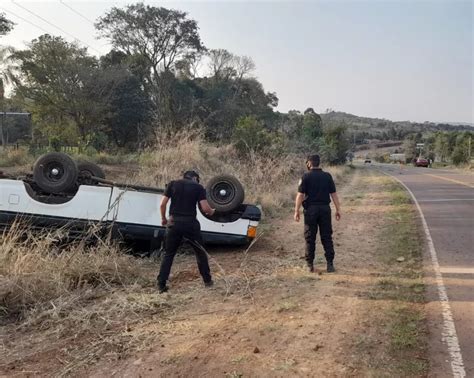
(87, 170)
(225, 193)
(55, 172)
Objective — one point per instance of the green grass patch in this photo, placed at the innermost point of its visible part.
(400, 238)
(405, 328)
(403, 321)
(408, 345)
(405, 290)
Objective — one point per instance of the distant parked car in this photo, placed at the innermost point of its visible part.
(422, 162)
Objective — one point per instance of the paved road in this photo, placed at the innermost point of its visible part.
(446, 199)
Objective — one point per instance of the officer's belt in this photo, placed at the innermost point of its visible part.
(183, 218)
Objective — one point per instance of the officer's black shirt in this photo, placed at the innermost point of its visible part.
(184, 194)
(317, 185)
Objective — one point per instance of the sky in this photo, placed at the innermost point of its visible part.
(398, 60)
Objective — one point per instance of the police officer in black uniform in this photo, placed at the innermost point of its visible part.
(315, 190)
(185, 195)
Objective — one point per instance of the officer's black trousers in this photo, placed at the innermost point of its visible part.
(174, 237)
(318, 217)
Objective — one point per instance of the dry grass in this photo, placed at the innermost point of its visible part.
(269, 182)
(34, 271)
(78, 298)
(10, 157)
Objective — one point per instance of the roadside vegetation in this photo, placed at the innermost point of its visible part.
(402, 320)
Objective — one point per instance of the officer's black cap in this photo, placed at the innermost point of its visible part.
(191, 175)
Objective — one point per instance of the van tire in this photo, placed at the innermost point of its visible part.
(55, 172)
(87, 170)
(225, 193)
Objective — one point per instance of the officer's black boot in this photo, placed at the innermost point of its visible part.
(310, 268)
(330, 267)
(162, 288)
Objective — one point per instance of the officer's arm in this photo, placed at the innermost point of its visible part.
(298, 203)
(208, 210)
(164, 202)
(335, 200)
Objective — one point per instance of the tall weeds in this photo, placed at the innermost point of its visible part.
(34, 271)
(267, 180)
(10, 157)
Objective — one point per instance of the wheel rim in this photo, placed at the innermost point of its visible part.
(223, 193)
(54, 172)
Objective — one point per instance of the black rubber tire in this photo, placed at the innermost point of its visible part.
(233, 197)
(87, 170)
(45, 177)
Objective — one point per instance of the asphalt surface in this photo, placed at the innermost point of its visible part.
(446, 199)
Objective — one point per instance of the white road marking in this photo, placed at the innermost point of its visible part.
(447, 200)
(449, 335)
(457, 270)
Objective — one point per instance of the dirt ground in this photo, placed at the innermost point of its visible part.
(280, 320)
(266, 316)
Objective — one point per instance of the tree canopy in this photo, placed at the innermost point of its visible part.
(5, 25)
(162, 36)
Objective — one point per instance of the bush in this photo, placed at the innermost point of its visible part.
(55, 143)
(15, 157)
(382, 158)
(33, 272)
(460, 155)
(250, 136)
(269, 181)
(334, 144)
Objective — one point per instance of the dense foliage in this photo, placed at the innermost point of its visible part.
(5, 25)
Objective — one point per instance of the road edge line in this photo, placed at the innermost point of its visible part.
(449, 334)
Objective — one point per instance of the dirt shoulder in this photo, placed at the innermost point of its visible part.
(266, 315)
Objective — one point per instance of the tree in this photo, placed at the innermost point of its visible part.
(4, 77)
(223, 103)
(5, 25)
(442, 148)
(334, 143)
(250, 136)
(221, 64)
(226, 66)
(162, 36)
(461, 151)
(312, 125)
(63, 84)
(409, 148)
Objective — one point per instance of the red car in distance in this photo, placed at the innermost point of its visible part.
(421, 162)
